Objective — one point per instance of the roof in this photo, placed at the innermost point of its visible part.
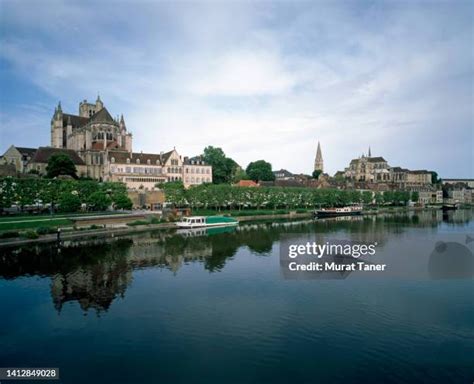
(419, 171)
(78, 121)
(246, 183)
(43, 154)
(26, 151)
(102, 116)
(458, 180)
(122, 156)
(284, 171)
(376, 159)
(195, 160)
(399, 169)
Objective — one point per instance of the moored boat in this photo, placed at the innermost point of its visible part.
(339, 211)
(206, 221)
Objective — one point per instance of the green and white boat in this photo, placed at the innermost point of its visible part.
(206, 221)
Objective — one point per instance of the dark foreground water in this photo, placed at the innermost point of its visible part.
(214, 307)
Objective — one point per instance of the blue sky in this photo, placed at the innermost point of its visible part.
(259, 79)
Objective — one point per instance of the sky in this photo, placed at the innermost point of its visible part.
(262, 80)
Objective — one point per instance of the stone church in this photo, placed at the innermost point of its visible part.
(91, 133)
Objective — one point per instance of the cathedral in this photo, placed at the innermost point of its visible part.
(91, 133)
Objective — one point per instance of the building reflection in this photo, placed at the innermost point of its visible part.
(95, 273)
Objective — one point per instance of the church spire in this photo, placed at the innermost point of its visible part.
(370, 153)
(318, 161)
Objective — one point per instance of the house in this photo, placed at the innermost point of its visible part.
(18, 156)
(42, 155)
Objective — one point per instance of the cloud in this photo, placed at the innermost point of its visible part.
(260, 80)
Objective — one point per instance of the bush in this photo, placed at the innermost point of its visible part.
(9, 234)
(30, 235)
(155, 220)
(137, 222)
(46, 230)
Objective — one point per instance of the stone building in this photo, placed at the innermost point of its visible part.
(376, 170)
(39, 162)
(145, 170)
(18, 157)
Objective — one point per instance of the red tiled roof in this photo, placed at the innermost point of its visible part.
(246, 183)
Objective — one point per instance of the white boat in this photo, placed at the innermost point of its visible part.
(206, 221)
(342, 211)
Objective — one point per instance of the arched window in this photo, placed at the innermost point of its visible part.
(128, 161)
(112, 159)
(138, 161)
(148, 161)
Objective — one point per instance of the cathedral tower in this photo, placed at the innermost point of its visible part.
(318, 161)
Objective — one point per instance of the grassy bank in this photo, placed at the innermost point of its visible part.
(33, 223)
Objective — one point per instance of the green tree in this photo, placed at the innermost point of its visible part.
(99, 201)
(69, 202)
(316, 173)
(60, 164)
(174, 193)
(223, 168)
(260, 170)
(415, 196)
(434, 178)
(367, 197)
(240, 174)
(122, 201)
(378, 198)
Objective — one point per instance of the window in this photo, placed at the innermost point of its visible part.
(112, 159)
(148, 161)
(128, 161)
(138, 161)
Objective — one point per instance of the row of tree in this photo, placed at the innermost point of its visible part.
(229, 197)
(65, 195)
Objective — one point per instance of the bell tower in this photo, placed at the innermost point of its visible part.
(318, 161)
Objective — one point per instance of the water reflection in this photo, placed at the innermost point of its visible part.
(94, 273)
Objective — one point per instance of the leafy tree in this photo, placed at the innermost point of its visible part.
(99, 201)
(378, 198)
(367, 197)
(174, 193)
(69, 202)
(415, 196)
(434, 178)
(60, 164)
(122, 201)
(316, 173)
(240, 174)
(260, 170)
(223, 168)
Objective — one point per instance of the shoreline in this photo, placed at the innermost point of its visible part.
(112, 231)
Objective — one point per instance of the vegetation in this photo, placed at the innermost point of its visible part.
(218, 197)
(434, 178)
(260, 170)
(31, 224)
(66, 195)
(60, 164)
(223, 168)
(316, 173)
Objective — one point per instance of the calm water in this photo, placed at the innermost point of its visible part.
(169, 307)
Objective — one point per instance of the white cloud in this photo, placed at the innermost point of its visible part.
(261, 83)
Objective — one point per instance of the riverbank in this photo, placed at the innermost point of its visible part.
(103, 226)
